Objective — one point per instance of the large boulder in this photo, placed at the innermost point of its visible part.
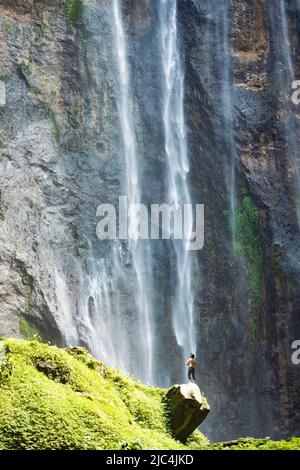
(187, 407)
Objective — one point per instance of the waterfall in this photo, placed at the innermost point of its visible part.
(124, 295)
(125, 108)
(115, 313)
(137, 341)
(290, 127)
(104, 317)
(177, 170)
(139, 258)
(286, 41)
(227, 107)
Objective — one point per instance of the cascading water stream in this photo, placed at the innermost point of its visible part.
(125, 108)
(177, 192)
(286, 41)
(227, 107)
(177, 169)
(117, 313)
(140, 329)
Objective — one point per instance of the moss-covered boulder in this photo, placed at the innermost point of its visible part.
(188, 408)
(52, 398)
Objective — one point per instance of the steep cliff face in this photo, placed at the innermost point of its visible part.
(250, 307)
(57, 117)
(59, 159)
(29, 154)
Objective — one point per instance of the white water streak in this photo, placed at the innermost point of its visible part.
(65, 318)
(143, 303)
(227, 108)
(178, 169)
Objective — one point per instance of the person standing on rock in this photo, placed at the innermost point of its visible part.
(191, 363)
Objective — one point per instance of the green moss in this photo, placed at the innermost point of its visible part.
(39, 11)
(248, 241)
(73, 12)
(65, 399)
(26, 72)
(34, 89)
(28, 287)
(5, 25)
(257, 444)
(42, 29)
(11, 28)
(27, 330)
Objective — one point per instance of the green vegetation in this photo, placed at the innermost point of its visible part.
(50, 115)
(64, 399)
(248, 241)
(73, 12)
(258, 444)
(25, 69)
(11, 28)
(53, 398)
(39, 10)
(4, 78)
(34, 89)
(6, 25)
(42, 29)
(27, 330)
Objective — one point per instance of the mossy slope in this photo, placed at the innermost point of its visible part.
(64, 399)
(258, 444)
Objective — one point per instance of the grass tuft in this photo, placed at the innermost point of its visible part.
(248, 241)
(73, 12)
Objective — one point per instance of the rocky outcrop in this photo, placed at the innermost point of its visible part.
(187, 407)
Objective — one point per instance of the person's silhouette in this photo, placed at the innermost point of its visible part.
(191, 363)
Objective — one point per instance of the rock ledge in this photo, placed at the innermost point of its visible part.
(188, 408)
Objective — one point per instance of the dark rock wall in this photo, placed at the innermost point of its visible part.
(252, 367)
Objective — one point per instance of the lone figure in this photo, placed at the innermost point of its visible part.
(191, 363)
